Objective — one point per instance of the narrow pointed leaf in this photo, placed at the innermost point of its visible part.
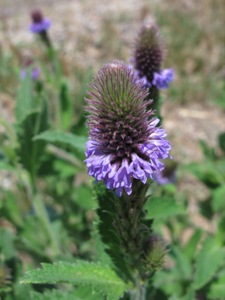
(208, 262)
(57, 137)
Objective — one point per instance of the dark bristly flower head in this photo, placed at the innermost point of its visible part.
(124, 143)
(40, 24)
(148, 51)
(148, 54)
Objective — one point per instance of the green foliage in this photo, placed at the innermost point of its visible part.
(208, 261)
(46, 198)
(68, 139)
(25, 103)
(64, 294)
(31, 151)
(217, 290)
(99, 277)
(163, 207)
(106, 213)
(66, 108)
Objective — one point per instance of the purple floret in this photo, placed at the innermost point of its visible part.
(35, 73)
(44, 25)
(162, 79)
(119, 176)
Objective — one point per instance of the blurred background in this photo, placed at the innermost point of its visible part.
(85, 35)
(90, 33)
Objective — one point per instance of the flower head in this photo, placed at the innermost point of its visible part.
(39, 24)
(124, 143)
(147, 58)
(148, 51)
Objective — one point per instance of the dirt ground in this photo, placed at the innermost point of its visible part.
(81, 28)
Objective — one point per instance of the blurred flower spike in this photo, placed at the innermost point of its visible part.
(124, 143)
(40, 24)
(29, 67)
(34, 73)
(148, 54)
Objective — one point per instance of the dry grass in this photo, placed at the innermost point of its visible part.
(91, 33)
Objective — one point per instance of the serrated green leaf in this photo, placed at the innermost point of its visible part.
(163, 207)
(190, 249)
(100, 277)
(106, 213)
(217, 290)
(183, 265)
(54, 294)
(72, 140)
(85, 293)
(208, 173)
(29, 151)
(25, 102)
(208, 262)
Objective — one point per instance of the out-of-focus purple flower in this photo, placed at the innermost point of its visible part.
(40, 24)
(138, 78)
(34, 72)
(124, 143)
(162, 179)
(168, 174)
(148, 51)
(162, 79)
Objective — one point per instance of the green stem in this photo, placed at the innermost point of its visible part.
(42, 215)
(139, 293)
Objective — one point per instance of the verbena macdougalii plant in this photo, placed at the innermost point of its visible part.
(124, 151)
(48, 210)
(124, 154)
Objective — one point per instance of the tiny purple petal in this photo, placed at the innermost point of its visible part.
(44, 25)
(163, 179)
(162, 79)
(35, 73)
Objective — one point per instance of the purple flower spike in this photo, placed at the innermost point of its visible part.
(124, 143)
(162, 79)
(39, 24)
(148, 51)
